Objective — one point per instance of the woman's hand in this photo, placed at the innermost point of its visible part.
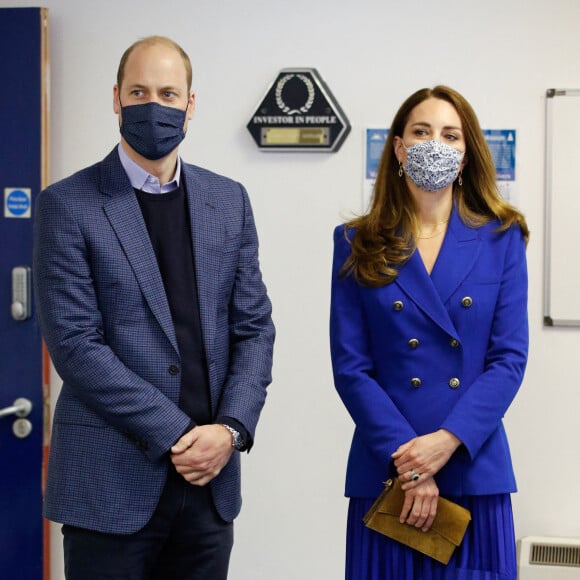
(423, 457)
(420, 505)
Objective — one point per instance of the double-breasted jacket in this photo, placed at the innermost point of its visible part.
(428, 352)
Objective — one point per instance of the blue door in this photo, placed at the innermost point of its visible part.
(23, 131)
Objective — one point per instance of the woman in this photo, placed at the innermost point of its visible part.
(429, 340)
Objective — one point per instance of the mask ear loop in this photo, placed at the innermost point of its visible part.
(120, 110)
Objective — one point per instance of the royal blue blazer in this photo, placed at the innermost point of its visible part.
(104, 316)
(445, 351)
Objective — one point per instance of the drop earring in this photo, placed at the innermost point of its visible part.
(460, 179)
(400, 169)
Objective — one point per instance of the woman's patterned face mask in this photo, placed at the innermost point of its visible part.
(432, 165)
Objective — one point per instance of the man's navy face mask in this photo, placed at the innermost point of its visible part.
(151, 129)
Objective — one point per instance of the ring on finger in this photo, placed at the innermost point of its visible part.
(414, 476)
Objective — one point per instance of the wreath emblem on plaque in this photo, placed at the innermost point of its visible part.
(280, 88)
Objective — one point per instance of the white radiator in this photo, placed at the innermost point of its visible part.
(548, 558)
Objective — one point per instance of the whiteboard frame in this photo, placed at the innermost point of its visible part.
(548, 319)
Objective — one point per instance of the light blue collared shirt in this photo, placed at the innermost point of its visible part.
(144, 181)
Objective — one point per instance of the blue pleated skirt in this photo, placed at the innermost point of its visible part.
(488, 550)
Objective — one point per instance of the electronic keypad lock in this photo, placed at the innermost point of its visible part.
(21, 293)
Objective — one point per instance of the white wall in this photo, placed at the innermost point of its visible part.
(501, 54)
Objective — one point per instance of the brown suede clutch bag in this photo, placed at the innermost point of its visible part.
(443, 537)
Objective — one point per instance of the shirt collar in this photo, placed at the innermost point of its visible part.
(141, 179)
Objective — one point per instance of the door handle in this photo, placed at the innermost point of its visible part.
(20, 408)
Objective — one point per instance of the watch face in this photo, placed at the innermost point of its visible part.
(238, 442)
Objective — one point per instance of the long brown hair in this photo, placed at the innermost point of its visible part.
(384, 238)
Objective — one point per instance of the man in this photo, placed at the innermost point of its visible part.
(152, 305)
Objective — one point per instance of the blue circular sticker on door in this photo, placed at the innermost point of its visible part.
(17, 202)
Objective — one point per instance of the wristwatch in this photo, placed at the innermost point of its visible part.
(237, 441)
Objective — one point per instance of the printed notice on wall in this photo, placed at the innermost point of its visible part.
(501, 143)
(375, 140)
(17, 202)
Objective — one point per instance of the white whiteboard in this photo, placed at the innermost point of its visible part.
(562, 239)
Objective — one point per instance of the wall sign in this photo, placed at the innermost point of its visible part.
(17, 202)
(299, 113)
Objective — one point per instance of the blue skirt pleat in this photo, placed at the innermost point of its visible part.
(488, 550)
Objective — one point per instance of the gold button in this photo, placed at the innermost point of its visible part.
(454, 382)
(454, 343)
(397, 305)
(413, 343)
(466, 301)
(415, 382)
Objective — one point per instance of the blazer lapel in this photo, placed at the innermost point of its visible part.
(206, 235)
(459, 253)
(122, 209)
(414, 280)
(457, 257)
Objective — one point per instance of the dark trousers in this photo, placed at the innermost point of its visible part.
(184, 540)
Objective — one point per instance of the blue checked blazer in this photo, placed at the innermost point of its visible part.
(104, 316)
(424, 352)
